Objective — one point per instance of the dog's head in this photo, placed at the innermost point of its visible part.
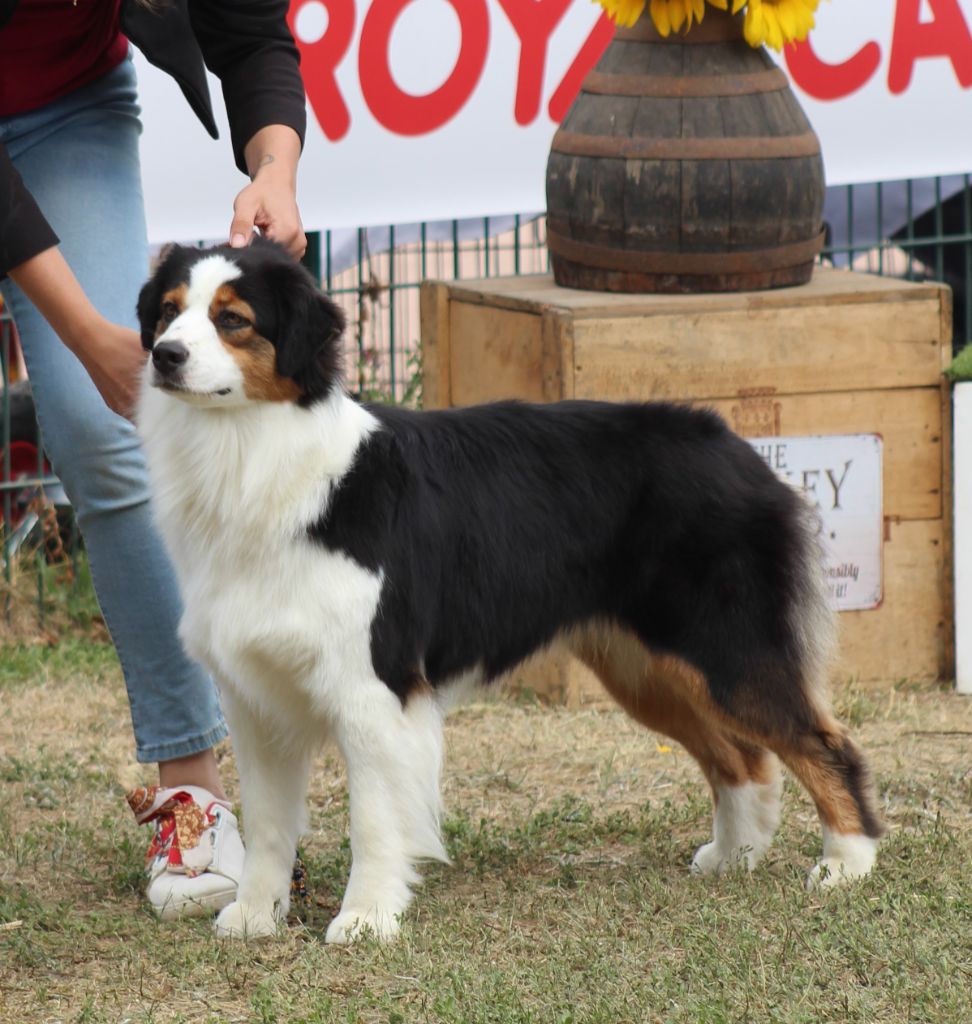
(226, 327)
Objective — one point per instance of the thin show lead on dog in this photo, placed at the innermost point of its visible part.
(350, 571)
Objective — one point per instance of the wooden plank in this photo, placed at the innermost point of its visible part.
(495, 354)
(908, 636)
(796, 349)
(909, 420)
(828, 286)
(434, 314)
(947, 596)
(556, 342)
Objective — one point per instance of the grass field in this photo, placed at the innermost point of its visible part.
(569, 897)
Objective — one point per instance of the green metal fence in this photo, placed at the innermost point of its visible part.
(917, 230)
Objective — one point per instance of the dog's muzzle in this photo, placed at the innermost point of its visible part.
(168, 358)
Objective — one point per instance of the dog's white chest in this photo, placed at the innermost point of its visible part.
(269, 611)
(295, 620)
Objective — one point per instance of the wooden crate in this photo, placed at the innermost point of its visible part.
(848, 353)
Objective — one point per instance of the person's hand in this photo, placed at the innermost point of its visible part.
(269, 202)
(114, 358)
(111, 354)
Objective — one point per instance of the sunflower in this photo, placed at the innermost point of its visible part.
(667, 15)
(778, 22)
(771, 22)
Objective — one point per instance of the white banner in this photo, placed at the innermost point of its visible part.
(439, 109)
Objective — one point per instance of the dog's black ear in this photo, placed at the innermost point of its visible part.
(171, 260)
(309, 329)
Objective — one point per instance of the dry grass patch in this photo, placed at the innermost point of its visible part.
(569, 898)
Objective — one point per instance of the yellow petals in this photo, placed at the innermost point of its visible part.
(623, 12)
(771, 23)
(775, 23)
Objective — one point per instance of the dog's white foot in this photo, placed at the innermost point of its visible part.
(351, 924)
(745, 819)
(711, 859)
(845, 858)
(242, 921)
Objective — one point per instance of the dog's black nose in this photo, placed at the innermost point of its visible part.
(169, 356)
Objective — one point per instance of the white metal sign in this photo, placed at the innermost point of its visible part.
(841, 475)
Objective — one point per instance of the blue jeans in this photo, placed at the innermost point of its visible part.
(79, 158)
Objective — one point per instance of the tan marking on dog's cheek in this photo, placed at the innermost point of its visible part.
(257, 360)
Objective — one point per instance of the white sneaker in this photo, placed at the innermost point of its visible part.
(195, 860)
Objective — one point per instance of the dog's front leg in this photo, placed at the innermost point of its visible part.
(393, 755)
(273, 773)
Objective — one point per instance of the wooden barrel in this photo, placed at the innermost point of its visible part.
(685, 165)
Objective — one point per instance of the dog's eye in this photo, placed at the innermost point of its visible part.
(168, 312)
(231, 321)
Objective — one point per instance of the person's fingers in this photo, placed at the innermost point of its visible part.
(245, 209)
(273, 213)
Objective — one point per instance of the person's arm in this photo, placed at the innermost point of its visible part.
(111, 354)
(248, 45)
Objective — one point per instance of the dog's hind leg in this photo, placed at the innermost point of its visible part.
(273, 771)
(663, 694)
(829, 764)
(394, 757)
(796, 724)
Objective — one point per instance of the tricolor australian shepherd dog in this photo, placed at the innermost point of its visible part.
(349, 570)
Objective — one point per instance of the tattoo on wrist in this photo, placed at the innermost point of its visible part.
(268, 159)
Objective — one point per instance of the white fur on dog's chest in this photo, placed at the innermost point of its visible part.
(302, 623)
(234, 495)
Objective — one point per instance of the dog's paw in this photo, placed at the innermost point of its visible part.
(846, 857)
(711, 859)
(240, 921)
(352, 924)
(833, 871)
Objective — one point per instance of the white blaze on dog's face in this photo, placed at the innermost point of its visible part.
(192, 356)
(232, 327)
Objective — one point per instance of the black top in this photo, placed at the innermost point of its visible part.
(245, 43)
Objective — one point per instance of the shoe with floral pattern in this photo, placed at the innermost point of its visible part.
(195, 860)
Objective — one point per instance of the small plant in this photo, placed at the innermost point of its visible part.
(373, 387)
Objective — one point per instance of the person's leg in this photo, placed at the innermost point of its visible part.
(79, 158)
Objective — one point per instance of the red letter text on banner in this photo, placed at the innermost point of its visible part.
(946, 35)
(399, 111)
(319, 61)
(534, 22)
(825, 81)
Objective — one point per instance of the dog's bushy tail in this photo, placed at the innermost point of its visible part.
(811, 620)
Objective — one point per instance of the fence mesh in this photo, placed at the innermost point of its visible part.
(916, 230)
